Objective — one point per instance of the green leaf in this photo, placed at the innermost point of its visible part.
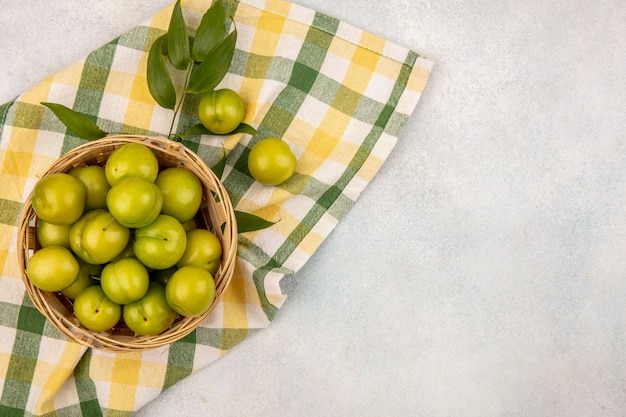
(196, 130)
(218, 169)
(159, 80)
(247, 222)
(214, 67)
(210, 32)
(178, 40)
(244, 128)
(77, 122)
(199, 129)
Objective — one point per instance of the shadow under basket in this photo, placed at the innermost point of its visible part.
(216, 214)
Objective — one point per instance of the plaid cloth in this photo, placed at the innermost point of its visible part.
(339, 95)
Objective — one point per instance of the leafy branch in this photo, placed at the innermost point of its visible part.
(205, 62)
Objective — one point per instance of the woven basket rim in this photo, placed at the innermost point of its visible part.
(217, 211)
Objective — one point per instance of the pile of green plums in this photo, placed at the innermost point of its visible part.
(122, 241)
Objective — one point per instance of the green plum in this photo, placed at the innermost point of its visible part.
(95, 311)
(125, 281)
(151, 314)
(190, 291)
(203, 249)
(131, 160)
(134, 202)
(96, 185)
(160, 244)
(59, 198)
(182, 193)
(52, 268)
(50, 234)
(97, 237)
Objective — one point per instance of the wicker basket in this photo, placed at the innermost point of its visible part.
(216, 214)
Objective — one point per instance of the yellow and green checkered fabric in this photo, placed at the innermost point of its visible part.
(339, 95)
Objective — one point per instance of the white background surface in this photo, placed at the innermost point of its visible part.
(482, 273)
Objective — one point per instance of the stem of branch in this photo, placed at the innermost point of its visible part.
(182, 98)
